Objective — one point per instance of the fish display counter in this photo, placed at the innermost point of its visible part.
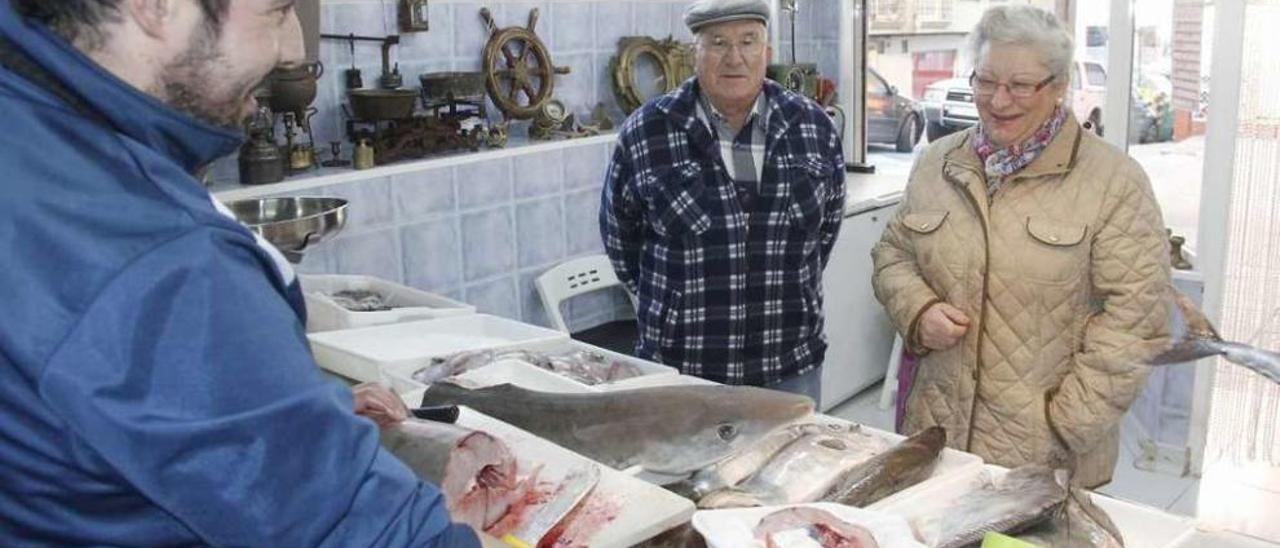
(665, 445)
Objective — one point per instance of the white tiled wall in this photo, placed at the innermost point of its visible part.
(479, 231)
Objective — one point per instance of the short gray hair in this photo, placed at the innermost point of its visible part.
(1028, 26)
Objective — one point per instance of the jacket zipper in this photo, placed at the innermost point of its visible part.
(982, 315)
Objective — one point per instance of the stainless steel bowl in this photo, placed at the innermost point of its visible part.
(292, 224)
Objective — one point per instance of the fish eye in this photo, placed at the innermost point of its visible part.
(727, 432)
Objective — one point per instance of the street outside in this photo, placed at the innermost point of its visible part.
(1175, 170)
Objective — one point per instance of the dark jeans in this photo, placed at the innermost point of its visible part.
(806, 384)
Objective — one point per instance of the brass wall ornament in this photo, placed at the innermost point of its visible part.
(801, 78)
(550, 118)
(516, 62)
(645, 68)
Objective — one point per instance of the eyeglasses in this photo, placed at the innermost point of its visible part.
(720, 47)
(986, 87)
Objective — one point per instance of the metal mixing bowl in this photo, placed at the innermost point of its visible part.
(292, 224)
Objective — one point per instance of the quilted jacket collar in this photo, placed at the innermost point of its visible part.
(1058, 158)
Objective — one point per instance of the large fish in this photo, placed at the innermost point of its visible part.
(668, 429)
(1024, 497)
(902, 466)
(803, 471)
(1202, 340)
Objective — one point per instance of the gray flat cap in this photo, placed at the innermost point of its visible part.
(709, 12)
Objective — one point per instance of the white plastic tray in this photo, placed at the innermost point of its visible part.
(1218, 539)
(733, 528)
(643, 510)
(362, 354)
(517, 372)
(400, 376)
(324, 314)
(1141, 526)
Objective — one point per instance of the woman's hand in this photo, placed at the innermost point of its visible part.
(941, 326)
(376, 402)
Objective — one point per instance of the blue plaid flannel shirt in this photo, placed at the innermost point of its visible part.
(728, 280)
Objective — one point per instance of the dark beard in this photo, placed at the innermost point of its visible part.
(185, 84)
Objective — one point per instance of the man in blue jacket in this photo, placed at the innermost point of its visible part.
(155, 384)
(720, 207)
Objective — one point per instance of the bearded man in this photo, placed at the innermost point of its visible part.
(156, 386)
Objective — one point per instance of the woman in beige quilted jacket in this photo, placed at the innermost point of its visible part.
(1027, 266)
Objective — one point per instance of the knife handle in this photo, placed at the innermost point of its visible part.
(440, 413)
(514, 542)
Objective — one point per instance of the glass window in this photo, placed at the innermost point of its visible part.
(1096, 75)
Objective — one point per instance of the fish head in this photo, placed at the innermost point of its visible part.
(933, 438)
(717, 421)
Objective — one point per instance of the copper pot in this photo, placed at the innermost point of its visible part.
(293, 87)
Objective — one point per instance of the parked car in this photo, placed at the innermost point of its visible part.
(892, 118)
(948, 104)
(948, 107)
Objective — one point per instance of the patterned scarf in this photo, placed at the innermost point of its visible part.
(1000, 162)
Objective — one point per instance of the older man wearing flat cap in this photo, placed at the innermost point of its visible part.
(720, 207)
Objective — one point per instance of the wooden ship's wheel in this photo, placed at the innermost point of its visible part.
(517, 67)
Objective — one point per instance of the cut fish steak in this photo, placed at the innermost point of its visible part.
(827, 530)
(476, 471)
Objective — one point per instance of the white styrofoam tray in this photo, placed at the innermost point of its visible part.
(1141, 526)
(733, 528)
(325, 314)
(362, 354)
(643, 510)
(516, 372)
(400, 376)
(1196, 538)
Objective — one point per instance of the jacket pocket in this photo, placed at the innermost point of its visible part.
(675, 197)
(671, 328)
(807, 195)
(1054, 253)
(934, 255)
(924, 222)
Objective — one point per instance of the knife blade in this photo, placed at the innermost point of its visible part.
(575, 488)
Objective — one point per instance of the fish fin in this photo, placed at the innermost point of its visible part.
(1198, 326)
(1185, 351)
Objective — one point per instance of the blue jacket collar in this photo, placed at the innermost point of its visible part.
(188, 142)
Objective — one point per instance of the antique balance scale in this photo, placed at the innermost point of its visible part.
(382, 121)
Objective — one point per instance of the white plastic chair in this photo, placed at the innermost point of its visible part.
(889, 389)
(572, 278)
